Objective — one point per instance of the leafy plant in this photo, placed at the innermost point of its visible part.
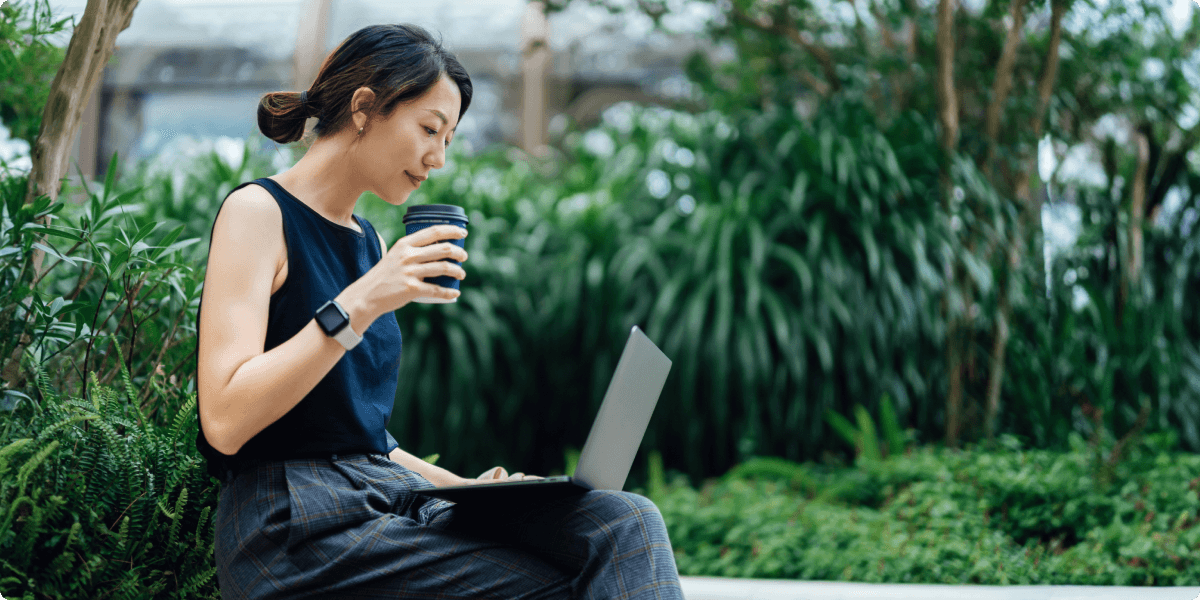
(29, 59)
(97, 501)
(1003, 516)
(111, 297)
(863, 438)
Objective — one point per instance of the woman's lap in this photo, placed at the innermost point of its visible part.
(350, 527)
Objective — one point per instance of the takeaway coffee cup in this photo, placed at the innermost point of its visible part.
(426, 215)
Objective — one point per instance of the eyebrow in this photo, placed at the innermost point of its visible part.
(442, 117)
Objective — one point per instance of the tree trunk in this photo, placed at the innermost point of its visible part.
(1137, 212)
(1003, 82)
(83, 66)
(90, 48)
(535, 66)
(948, 118)
(1027, 231)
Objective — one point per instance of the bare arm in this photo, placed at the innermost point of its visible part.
(232, 367)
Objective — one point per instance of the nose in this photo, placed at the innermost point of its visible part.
(436, 158)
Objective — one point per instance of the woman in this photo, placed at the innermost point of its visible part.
(298, 357)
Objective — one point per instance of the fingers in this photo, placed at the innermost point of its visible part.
(440, 251)
(433, 234)
(437, 269)
(493, 473)
(432, 290)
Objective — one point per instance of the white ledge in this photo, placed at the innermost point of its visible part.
(722, 588)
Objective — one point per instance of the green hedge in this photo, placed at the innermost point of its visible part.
(1009, 516)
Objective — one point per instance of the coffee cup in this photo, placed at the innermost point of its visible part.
(427, 215)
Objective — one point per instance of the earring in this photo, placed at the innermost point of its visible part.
(360, 129)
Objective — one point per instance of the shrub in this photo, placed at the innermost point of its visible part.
(1012, 516)
(98, 501)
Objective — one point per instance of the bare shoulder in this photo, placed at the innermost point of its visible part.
(254, 205)
(251, 219)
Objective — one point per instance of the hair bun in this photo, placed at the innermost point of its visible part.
(281, 115)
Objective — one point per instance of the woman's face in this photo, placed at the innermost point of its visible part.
(399, 152)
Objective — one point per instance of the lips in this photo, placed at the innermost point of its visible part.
(415, 180)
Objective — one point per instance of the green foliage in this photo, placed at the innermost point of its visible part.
(762, 252)
(863, 437)
(103, 505)
(29, 60)
(112, 297)
(186, 190)
(1085, 360)
(1008, 516)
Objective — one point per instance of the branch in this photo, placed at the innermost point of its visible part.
(1003, 83)
(1050, 70)
(1174, 165)
(803, 39)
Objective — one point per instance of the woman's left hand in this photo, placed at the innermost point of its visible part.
(499, 474)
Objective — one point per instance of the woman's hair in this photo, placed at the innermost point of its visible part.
(398, 62)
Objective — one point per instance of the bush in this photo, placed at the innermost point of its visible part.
(1011, 516)
(99, 501)
(102, 491)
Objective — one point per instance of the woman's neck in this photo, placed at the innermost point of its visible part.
(323, 179)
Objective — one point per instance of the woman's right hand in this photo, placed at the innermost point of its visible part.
(399, 277)
(497, 475)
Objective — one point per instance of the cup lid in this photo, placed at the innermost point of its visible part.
(441, 211)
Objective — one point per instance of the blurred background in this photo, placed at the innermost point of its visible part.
(197, 68)
(768, 188)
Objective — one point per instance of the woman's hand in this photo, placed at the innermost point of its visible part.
(399, 277)
(498, 475)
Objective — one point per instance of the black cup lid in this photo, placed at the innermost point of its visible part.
(439, 211)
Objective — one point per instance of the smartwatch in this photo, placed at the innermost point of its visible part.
(335, 322)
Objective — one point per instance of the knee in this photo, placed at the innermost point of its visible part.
(619, 504)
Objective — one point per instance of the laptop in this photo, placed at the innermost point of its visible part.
(611, 445)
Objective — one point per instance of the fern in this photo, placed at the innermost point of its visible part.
(177, 518)
(182, 419)
(51, 430)
(88, 463)
(130, 393)
(22, 480)
(43, 384)
(200, 537)
(123, 534)
(31, 531)
(64, 561)
(8, 451)
(195, 582)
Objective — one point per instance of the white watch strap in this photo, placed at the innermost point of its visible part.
(347, 338)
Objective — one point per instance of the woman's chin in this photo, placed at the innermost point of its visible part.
(398, 198)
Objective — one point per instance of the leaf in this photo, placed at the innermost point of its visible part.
(52, 252)
(870, 440)
(893, 434)
(844, 428)
(53, 231)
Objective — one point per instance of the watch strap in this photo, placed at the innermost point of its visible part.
(347, 338)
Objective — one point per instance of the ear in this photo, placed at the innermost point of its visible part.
(360, 103)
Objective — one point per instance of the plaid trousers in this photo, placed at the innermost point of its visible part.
(348, 527)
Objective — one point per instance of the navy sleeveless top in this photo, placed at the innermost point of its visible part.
(348, 410)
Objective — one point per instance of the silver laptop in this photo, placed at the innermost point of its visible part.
(611, 445)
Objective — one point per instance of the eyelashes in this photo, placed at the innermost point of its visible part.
(433, 132)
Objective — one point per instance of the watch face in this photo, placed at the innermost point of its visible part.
(329, 318)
